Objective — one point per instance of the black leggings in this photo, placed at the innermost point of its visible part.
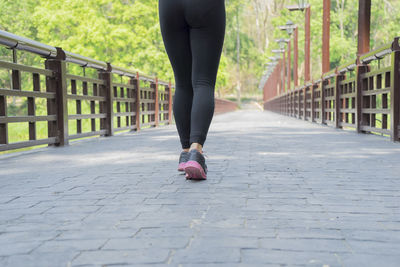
(193, 33)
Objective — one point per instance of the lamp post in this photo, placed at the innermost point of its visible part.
(303, 5)
(290, 28)
(269, 82)
(296, 57)
(282, 43)
(325, 35)
(364, 24)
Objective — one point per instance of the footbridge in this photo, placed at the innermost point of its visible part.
(319, 187)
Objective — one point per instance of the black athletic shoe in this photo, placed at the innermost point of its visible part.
(196, 167)
(182, 161)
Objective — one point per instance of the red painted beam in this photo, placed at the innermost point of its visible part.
(325, 36)
(364, 24)
(307, 67)
(296, 57)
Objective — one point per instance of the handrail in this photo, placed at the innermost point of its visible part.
(320, 80)
(132, 74)
(14, 41)
(85, 61)
(122, 71)
(351, 102)
(309, 84)
(125, 105)
(380, 52)
(346, 67)
(21, 43)
(375, 54)
(328, 74)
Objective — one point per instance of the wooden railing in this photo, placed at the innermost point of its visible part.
(110, 100)
(114, 98)
(223, 106)
(363, 95)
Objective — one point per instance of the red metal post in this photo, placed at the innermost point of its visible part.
(283, 73)
(364, 22)
(296, 57)
(279, 87)
(304, 102)
(325, 36)
(272, 85)
(264, 89)
(288, 70)
(307, 76)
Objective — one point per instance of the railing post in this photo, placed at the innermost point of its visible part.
(59, 106)
(157, 107)
(323, 83)
(339, 77)
(283, 104)
(361, 69)
(138, 105)
(395, 94)
(312, 103)
(287, 103)
(132, 81)
(292, 104)
(106, 76)
(305, 103)
(296, 104)
(169, 103)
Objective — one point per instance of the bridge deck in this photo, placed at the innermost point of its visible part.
(280, 191)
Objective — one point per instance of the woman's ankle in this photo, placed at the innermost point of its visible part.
(196, 146)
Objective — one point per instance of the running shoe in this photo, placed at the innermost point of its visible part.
(182, 161)
(196, 167)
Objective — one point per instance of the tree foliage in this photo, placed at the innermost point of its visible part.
(127, 32)
(385, 16)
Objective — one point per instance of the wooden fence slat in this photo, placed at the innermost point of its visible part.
(59, 106)
(108, 122)
(395, 96)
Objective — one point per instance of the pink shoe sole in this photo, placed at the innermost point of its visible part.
(181, 166)
(194, 171)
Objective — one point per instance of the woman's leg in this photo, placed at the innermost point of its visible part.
(175, 33)
(207, 21)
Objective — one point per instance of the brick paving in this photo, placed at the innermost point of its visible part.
(280, 192)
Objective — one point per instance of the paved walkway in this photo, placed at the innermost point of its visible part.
(280, 192)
